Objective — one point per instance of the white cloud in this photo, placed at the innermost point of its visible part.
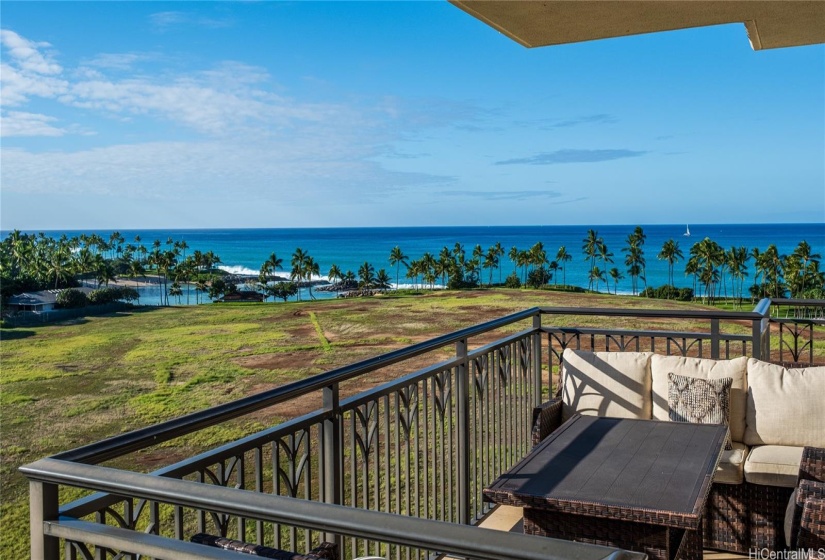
(27, 72)
(115, 61)
(27, 54)
(164, 20)
(281, 172)
(20, 123)
(247, 137)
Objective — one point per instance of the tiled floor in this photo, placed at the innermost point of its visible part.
(506, 518)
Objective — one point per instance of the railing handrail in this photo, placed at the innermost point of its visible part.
(798, 301)
(474, 542)
(654, 313)
(643, 333)
(158, 433)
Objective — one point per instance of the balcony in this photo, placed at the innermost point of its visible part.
(396, 470)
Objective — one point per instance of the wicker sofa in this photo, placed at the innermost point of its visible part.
(776, 415)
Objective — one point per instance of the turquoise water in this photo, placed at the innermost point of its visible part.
(243, 250)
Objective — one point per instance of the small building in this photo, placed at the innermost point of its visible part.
(243, 296)
(37, 302)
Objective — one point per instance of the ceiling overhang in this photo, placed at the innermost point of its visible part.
(536, 23)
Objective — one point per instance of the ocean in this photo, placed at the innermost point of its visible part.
(242, 251)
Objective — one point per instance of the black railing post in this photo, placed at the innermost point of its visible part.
(537, 398)
(43, 506)
(714, 339)
(761, 331)
(463, 448)
(333, 452)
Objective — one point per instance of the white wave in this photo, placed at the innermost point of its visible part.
(242, 270)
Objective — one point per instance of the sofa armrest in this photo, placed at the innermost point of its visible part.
(812, 466)
(808, 524)
(546, 418)
(812, 525)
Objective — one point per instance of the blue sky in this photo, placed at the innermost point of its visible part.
(289, 114)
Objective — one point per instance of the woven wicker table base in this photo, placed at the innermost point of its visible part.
(658, 542)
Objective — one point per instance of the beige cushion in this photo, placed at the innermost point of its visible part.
(702, 368)
(773, 465)
(614, 384)
(731, 469)
(785, 406)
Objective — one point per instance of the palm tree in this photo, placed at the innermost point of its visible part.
(366, 276)
(772, 271)
(634, 259)
(563, 257)
(805, 255)
(59, 263)
(269, 266)
(174, 290)
(605, 255)
(640, 237)
(615, 275)
(490, 262)
(596, 275)
(513, 255)
(335, 275)
(182, 246)
(397, 258)
(311, 268)
(299, 258)
(590, 246)
(428, 267)
(499, 252)
(709, 256)
(756, 255)
(382, 280)
(692, 267)
(184, 272)
(136, 269)
(104, 272)
(444, 265)
(349, 277)
(671, 253)
(200, 287)
(554, 268)
(737, 263)
(537, 255)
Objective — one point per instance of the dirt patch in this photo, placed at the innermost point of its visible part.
(302, 332)
(159, 457)
(279, 360)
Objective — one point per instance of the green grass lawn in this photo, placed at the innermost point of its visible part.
(69, 384)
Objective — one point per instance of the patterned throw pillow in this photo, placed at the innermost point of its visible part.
(700, 401)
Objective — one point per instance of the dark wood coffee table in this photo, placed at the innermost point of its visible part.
(634, 484)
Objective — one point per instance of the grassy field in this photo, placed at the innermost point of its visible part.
(68, 384)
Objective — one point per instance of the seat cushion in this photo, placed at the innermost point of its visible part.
(613, 384)
(703, 368)
(773, 465)
(785, 405)
(731, 469)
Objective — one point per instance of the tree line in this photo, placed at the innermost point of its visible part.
(29, 261)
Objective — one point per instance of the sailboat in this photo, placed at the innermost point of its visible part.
(687, 231)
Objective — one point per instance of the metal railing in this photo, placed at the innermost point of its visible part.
(422, 446)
